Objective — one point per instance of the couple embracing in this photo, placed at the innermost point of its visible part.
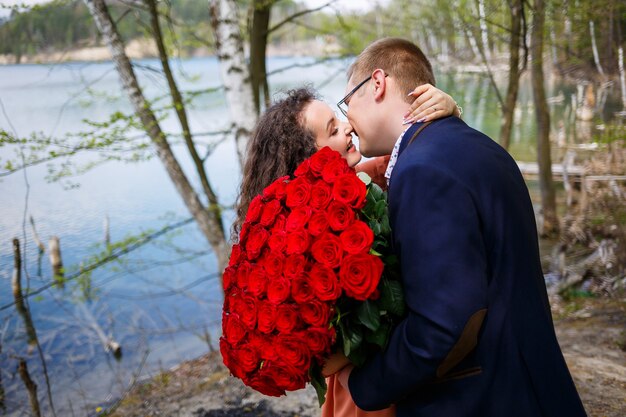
(478, 339)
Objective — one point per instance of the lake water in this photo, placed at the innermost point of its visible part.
(158, 301)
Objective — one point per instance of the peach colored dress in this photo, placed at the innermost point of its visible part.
(339, 402)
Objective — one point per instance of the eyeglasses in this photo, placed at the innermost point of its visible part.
(343, 103)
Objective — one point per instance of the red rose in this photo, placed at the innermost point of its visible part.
(335, 169)
(357, 238)
(256, 240)
(233, 329)
(315, 313)
(340, 216)
(349, 189)
(297, 218)
(303, 169)
(294, 265)
(321, 158)
(287, 318)
(266, 321)
(230, 360)
(271, 209)
(247, 358)
(318, 223)
(264, 344)
(297, 241)
(235, 255)
(243, 233)
(278, 289)
(263, 382)
(277, 189)
(242, 275)
(324, 283)
(229, 296)
(327, 250)
(298, 192)
(229, 277)
(319, 339)
(254, 209)
(257, 280)
(321, 194)
(272, 262)
(293, 351)
(277, 241)
(245, 308)
(273, 378)
(279, 224)
(301, 291)
(359, 275)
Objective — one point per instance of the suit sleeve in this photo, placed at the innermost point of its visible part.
(437, 234)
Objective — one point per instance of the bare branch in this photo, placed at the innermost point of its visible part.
(297, 15)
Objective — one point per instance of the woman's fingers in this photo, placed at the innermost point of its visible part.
(421, 94)
(426, 111)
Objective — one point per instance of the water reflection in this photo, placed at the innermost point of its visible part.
(161, 301)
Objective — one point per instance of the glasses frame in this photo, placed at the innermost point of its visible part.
(350, 94)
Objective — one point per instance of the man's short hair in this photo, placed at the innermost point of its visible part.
(399, 58)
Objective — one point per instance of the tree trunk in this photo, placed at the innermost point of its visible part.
(546, 185)
(510, 100)
(622, 76)
(181, 112)
(594, 47)
(258, 47)
(207, 220)
(234, 71)
(484, 32)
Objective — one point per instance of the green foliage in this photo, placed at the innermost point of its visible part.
(365, 326)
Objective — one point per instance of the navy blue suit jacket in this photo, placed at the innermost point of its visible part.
(478, 339)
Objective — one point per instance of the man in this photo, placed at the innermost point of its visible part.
(478, 339)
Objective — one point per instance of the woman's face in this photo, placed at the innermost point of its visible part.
(329, 131)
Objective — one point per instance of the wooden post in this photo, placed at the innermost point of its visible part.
(40, 245)
(17, 294)
(31, 387)
(55, 258)
(17, 271)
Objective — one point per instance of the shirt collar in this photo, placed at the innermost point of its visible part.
(394, 154)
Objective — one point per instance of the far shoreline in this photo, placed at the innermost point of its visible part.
(146, 49)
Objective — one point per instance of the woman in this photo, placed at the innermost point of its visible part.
(292, 130)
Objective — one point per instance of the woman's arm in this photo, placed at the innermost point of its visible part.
(430, 104)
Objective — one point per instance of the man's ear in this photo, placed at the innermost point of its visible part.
(380, 84)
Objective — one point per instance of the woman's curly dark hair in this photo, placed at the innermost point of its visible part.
(279, 143)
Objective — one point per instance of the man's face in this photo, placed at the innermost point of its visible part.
(360, 114)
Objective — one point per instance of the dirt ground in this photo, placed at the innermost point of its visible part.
(591, 331)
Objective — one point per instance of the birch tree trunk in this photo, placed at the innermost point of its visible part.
(546, 185)
(594, 47)
(234, 71)
(207, 220)
(483, 29)
(622, 77)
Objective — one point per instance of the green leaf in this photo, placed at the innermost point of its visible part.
(381, 336)
(318, 382)
(376, 192)
(392, 297)
(369, 315)
(380, 208)
(352, 339)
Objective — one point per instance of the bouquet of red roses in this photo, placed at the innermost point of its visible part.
(312, 272)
